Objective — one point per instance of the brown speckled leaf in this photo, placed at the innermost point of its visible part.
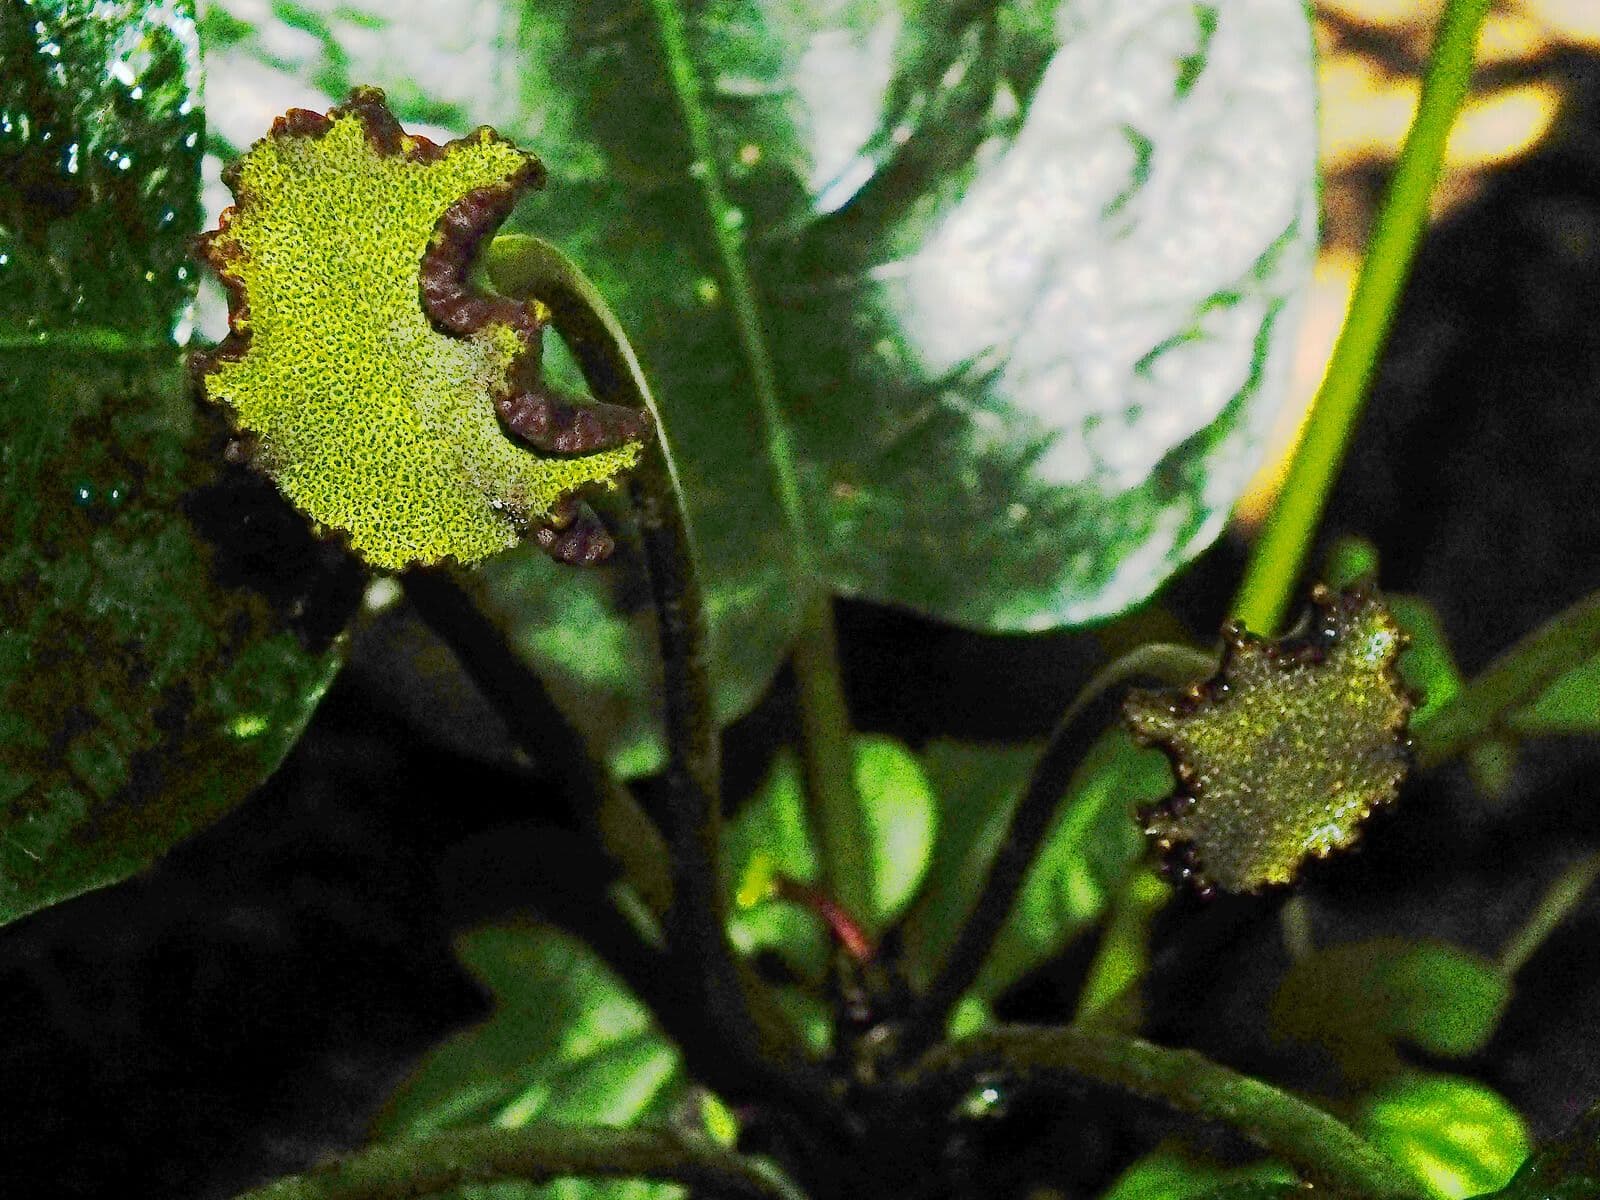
(1284, 752)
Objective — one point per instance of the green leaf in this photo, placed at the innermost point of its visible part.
(1359, 999)
(1570, 705)
(166, 625)
(770, 837)
(1172, 1173)
(902, 817)
(1455, 1135)
(1427, 664)
(1092, 846)
(1568, 1169)
(99, 157)
(1026, 366)
(566, 1043)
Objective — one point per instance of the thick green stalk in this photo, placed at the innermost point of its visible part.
(1279, 553)
(533, 1154)
(1322, 1149)
(827, 760)
(825, 746)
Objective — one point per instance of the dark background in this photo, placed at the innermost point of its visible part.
(244, 1007)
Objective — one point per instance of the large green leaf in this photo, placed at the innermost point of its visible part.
(1023, 271)
(566, 1043)
(165, 623)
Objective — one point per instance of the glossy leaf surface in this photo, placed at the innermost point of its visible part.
(165, 623)
(1021, 277)
(1455, 1135)
(100, 131)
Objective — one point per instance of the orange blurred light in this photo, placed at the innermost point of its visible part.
(1388, 14)
(1502, 125)
(1569, 20)
(1332, 282)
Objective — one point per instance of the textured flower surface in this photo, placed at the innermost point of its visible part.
(1283, 753)
(370, 379)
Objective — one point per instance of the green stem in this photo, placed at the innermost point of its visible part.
(1516, 678)
(1322, 1149)
(825, 727)
(1554, 907)
(827, 758)
(759, 1054)
(1279, 554)
(1090, 712)
(533, 1154)
(538, 725)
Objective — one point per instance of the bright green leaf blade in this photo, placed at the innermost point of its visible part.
(902, 819)
(1568, 1169)
(1455, 1135)
(1027, 315)
(165, 623)
(1093, 844)
(769, 837)
(1359, 999)
(565, 1043)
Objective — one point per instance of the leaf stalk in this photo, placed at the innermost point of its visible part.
(534, 1154)
(1279, 554)
(1322, 1149)
(837, 822)
(1086, 718)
